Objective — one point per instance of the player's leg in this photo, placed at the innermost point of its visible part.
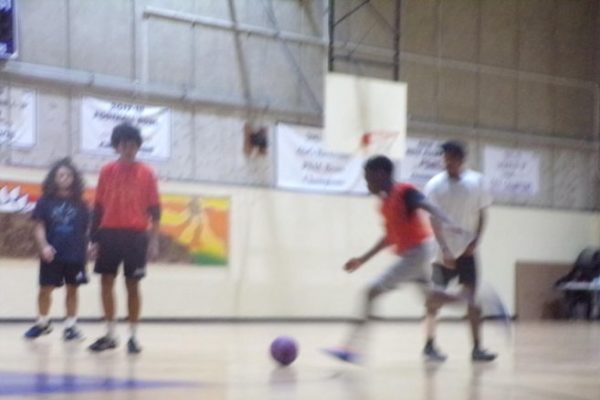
(44, 303)
(441, 276)
(134, 310)
(353, 347)
(135, 269)
(467, 270)
(110, 255)
(50, 277)
(109, 340)
(409, 268)
(42, 325)
(357, 336)
(72, 278)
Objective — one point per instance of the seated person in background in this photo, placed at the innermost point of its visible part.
(585, 269)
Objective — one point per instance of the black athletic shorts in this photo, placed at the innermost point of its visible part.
(57, 273)
(116, 246)
(465, 270)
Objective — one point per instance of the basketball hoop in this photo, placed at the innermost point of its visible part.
(365, 115)
(383, 142)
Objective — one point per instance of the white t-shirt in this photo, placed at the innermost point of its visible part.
(462, 200)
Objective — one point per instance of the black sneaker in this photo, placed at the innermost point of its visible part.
(133, 347)
(104, 343)
(38, 330)
(432, 354)
(72, 333)
(482, 355)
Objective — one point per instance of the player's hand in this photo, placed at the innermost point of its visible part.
(470, 250)
(449, 260)
(353, 264)
(152, 249)
(47, 254)
(92, 252)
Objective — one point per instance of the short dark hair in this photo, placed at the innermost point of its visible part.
(380, 163)
(125, 133)
(454, 148)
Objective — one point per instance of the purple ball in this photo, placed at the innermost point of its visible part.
(284, 350)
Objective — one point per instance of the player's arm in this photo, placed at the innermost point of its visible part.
(98, 208)
(355, 263)
(154, 231)
(415, 199)
(480, 225)
(478, 233)
(45, 249)
(449, 259)
(154, 213)
(95, 223)
(485, 200)
(88, 225)
(96, 217)
(438, 232)
(38, 216)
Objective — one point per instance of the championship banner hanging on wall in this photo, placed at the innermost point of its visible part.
(304, 164)
(422, 162)
(99, 117)
(512, 172)
(17, 117)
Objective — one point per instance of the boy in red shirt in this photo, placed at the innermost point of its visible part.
(126, 204)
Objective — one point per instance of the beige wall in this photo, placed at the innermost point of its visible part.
(287, 253)
(520, 66)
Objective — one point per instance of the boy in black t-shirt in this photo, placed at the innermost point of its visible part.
(61, 233)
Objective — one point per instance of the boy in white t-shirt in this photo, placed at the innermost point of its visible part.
(462, 194)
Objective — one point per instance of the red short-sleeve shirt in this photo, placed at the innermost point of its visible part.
(126, 193)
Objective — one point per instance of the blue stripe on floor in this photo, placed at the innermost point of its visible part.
(22, 384)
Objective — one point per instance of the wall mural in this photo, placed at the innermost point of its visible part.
(194, 229)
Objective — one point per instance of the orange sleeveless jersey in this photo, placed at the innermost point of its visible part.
(404, 231)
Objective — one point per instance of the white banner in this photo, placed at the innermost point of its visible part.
(512, 172)
(17, 117)
(99, 117)
(422, 161)
(303, 163)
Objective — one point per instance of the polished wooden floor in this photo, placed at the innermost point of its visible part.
(230, 361)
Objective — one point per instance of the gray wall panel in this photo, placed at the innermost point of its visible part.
(50, 44)
(101, 35)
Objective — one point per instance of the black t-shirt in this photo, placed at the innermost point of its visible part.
(66, 224)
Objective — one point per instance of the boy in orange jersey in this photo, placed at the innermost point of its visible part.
(408, 230)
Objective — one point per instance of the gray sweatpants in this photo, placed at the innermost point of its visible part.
(414, 266)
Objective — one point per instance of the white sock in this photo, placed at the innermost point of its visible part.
(358, 338)
(70, 322)
(111, 327)
(42, 320)
(133, 330)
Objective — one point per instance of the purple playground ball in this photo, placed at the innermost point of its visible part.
(284, 350)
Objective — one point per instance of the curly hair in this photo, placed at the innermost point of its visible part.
(50, 188)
